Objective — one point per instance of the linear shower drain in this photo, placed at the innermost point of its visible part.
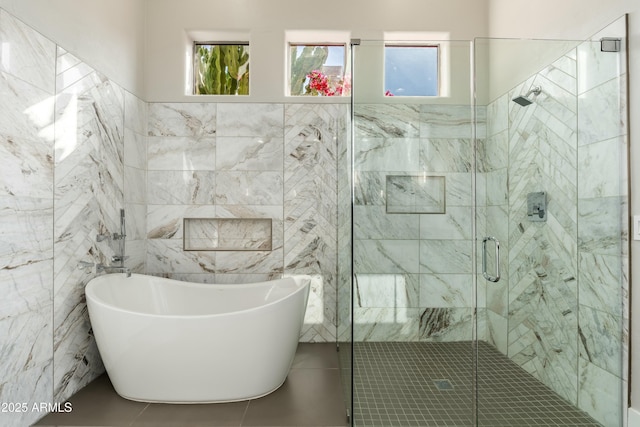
(443, 384)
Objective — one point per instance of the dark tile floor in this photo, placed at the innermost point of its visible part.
(431, 385)
(311, 397)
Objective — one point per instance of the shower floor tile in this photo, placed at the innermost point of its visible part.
(430, 384)
(311, 396)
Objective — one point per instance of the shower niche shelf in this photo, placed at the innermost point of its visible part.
(227, 234)
(412, 194)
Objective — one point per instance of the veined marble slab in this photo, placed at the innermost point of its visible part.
(386, 121)
(250, 119)
(181, 187)
(181, 154)
(249, 153)
(26, 53)
(386, 290)
(182, 119)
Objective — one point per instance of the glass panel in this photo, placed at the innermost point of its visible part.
(555, 124)
(411, 70)
(221, 69)
(413, 288)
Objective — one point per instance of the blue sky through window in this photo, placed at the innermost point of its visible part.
(411, 70)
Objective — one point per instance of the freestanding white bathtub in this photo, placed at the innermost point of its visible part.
(168, 341)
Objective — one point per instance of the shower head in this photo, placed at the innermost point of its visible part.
(524, 100)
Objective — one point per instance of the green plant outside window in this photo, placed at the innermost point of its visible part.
(318, 70)
(221, 69)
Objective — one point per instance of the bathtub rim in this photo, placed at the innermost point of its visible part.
(90, 294)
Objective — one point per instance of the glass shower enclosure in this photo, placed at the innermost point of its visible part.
(483, 261)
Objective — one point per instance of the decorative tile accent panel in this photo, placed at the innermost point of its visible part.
(227, 234)
(89, 192)
(310, 206)
(416, 194)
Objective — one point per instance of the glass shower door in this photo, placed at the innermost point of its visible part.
(413, 299)
(550, 231)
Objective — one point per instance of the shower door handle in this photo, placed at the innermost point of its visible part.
(484, 259)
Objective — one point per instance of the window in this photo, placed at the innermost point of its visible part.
(318, 70)
(411, 70)
(221, 68)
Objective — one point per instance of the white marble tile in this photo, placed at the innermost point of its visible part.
(384, 324)
(599, 229)
(445, 256)
(600, 394)
(261, 120)
(458, 189)
(242, 278)
(26, 53)
(181, 187)
(373, 222)
(494, 154)
(182, 119)
(386, 290)
(446, 121)
(26, 167)
(135, 113)
(249, 153)
(386, 256)
(601, 338)
(168, 256)
(596, 67)
(601, 281)
(446, 324)
(497, 331)
(446, 290)
(455, 224)
(415, 194)
(72, 70)
(274, 213)
(251, 262)
(166, 221)
(135, 149)
(64, 60)
(249, 188)
(181, 153)
(135, 185)
(26, 288)
(497, 116)
(31, 385)
(370, 188)
(28, 337)
(562, 73)
(31, 114)
(386, 154)
(599, 169)
(445, 155)
(136, 221)
(386, 121)
(602, 113)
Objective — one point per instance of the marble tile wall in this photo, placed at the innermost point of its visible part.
(27, 91)
(603, 234)
(559, 311)
(62, 135)
(413, 269)
(271, 161)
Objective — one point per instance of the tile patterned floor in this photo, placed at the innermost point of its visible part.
(396, 384)
(310, 397)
